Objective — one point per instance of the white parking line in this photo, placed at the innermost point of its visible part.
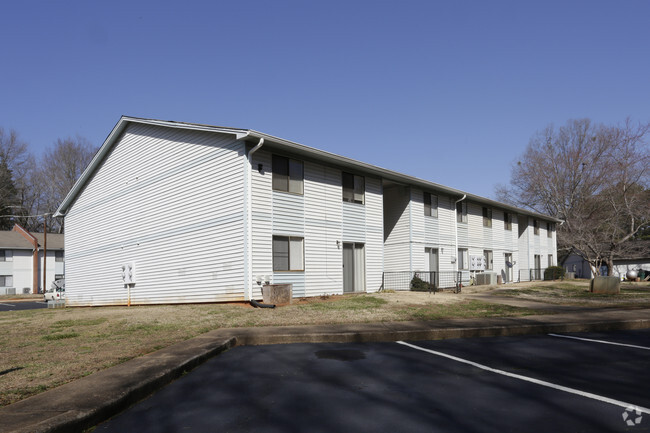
(8, 305)
(600, 398)
(600, 341)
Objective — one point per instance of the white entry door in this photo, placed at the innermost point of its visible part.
(354, 267)
(509, 266)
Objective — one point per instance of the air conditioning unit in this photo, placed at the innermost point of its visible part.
(486, 278)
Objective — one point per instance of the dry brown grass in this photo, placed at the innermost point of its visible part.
(576, 292)
(41, 349)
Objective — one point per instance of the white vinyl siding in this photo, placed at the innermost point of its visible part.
(397, 228)
(170, 201)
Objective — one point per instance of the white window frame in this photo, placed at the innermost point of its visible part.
(461, 212)
(356, 193)
(487, 217)
(294, 263)
(293, 181)
(430, 205)
(6, 255)
(6, 280)
(507, 221)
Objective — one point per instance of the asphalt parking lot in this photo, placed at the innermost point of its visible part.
(21, 305)
(587, 382)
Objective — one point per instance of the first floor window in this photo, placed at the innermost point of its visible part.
(550, 260)
(6, 280)
(463, 258)
(488, 259)
(288, 253)
(354, 188)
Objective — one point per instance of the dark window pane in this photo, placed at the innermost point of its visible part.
(295, 176)
(280, 173)
(359, 189)
(280, 253)
(348, 187)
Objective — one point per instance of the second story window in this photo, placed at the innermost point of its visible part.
(6, 255)
(549, 230)
(430, 205)
(461, 212)
(536, 227)
(507, 221)
(287, 175)
(58, 256)
(354, 188)
(487, 217)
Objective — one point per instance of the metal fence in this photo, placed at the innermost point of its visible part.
(535, 274)
(425, 281)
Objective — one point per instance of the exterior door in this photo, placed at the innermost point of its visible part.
(509, 267)
(538, 267)
(434, 261)
(354, 267)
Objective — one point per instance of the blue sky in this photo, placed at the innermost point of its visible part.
(446, 91)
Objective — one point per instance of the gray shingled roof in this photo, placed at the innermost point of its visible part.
(10, 239)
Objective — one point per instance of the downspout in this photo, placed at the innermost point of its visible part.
(248, 247)
(456, 234)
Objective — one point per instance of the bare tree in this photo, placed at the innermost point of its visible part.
(596, 178)
(59, 169)
(16, 190)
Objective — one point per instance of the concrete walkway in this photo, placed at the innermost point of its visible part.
(88, 401)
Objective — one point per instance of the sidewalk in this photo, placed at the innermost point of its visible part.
(88, 401)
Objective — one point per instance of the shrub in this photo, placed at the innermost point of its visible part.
(418, 284)
(554, 273)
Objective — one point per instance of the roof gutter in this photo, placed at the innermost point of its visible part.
(248, 222)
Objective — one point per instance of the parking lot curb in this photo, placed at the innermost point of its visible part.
(84, 403)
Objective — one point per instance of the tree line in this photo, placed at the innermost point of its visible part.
(32, 187)
(596, 179)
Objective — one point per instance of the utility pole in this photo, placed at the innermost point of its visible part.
(44, 251)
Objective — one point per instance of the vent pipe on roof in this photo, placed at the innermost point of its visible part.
(248, 245)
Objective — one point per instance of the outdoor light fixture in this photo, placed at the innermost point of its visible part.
(338, 244)
(260, 168)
